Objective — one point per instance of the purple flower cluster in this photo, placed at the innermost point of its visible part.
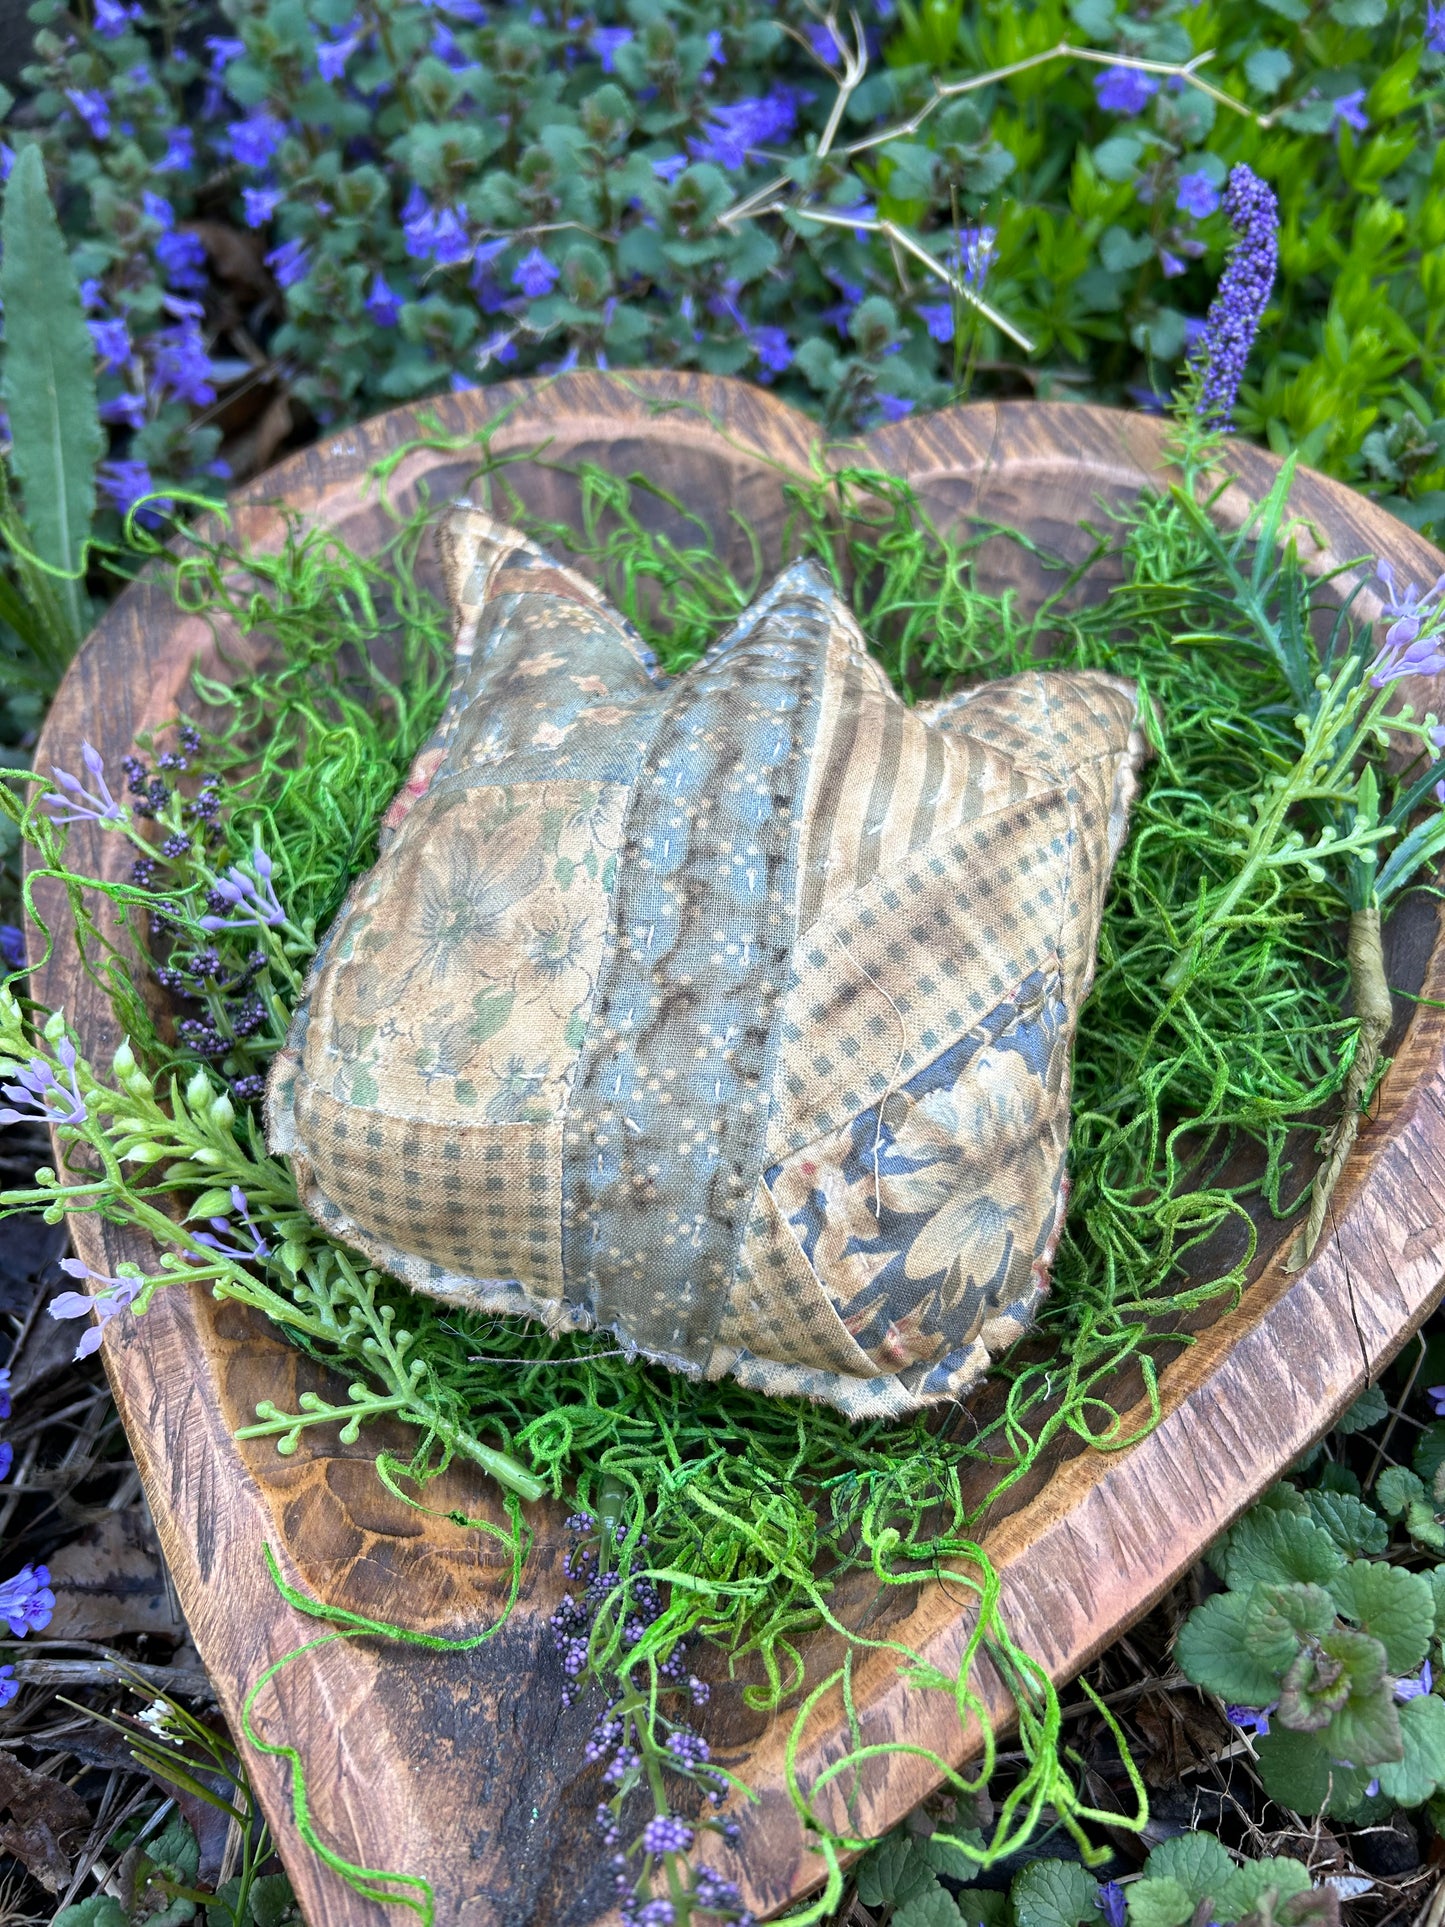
(733, 134)
(1408, 652)
(249, 902)
(44, 1093)
(115, 1296)
(79, 804)
(26, 1602)
(1124, 90)
(7, 1450)
(255, 1245)
(1243, 293)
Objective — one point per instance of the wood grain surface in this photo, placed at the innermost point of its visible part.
(463, 1767)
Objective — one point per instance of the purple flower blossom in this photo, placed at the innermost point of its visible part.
(1249, 1719)
(182, 366)
(893, 408)
(9, 1685)
(1416, 1687)
(255, 139)
(117, 1295)
(126, 483)
(332, 56)
(12, 955)
(1347, 110)
(112, 342)
(770, 345)
(732, 134)
(606, 43)
(973, 254)
(43, 1093)
(432, 234)
(937, 317)
(381, 303)
(158, 209)
(254, 898)
(26, 1601)
(182, 259)
(669, 167)
(1435, 29)
(1197, 195)
(92, 108)
(180, 154)
(1242, 295)
(7, 1458)
(1170, 264)
(5, 1407)
(1435, 1393)
(1110, 1902)
(1407, 652)
(92, 294)
(112, 18)
(289, 262)
(1124, 90)
(259, 204)
(85, 806)
(535, 275)
(825, 43)
(256, 1248)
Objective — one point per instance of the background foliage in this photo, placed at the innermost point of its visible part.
(305, 210)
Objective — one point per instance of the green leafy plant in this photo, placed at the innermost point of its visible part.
(1016, 199)
(56, 439)
(910, 1880)
(1329, 1649)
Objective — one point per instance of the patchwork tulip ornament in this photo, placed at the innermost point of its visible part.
(728, 1013)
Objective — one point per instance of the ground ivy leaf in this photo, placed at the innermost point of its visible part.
(1396, 1488)
(1278, 1619)
(1211, 1651)
(983, 1907)
(1411, 1780)
(1365, 1730)
(943, 1857)
(1430, 1452)
(1299, 1774)
(1158, 1903)
(1248, 1885)
(933, 1907)
(1371, 1406)
(893, 1871)
(1280, 1548)
(1354, 1526)
(1055, 1893)
(1196, 1860)
(1392, 1605)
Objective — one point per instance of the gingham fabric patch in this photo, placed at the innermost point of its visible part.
(729, 1013)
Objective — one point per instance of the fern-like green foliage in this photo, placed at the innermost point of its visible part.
(56, 437)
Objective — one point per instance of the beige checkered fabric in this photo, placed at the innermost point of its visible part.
(729, 1013)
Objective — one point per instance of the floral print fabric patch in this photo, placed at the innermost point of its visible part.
(729, 1013)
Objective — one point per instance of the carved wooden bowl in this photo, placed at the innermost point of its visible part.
(463, 1767)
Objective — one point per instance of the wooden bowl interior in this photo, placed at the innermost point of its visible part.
(464, 1766)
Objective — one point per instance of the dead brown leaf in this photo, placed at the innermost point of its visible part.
(42, 1813)
(110, 1581)
(236, 256)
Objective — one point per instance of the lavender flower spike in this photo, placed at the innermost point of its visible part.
(85, 806)
(1242, 295)
(43, 1093)
(252, 900)
(118, 1296)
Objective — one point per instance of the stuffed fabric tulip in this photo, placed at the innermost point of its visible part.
(728, 1013)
